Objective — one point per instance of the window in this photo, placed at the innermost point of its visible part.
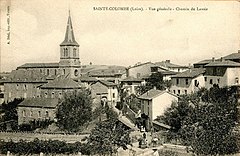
(174, 92)
(236, 80)
(74, 52)
(186, 81)
(185, 91)
(25, 87)
(113, 95)
(218, 80)
(177, 81)
(55, 72)
(60, 95)
(76, 72)
(40, 70)
(205, 78)
(17, 87)
(24, 113)
(196, 83)
(52, 94)
(179, 92)
(47, 115)
(39, 114)
(45, 95)
(211, 81)
(64, 72)
(47, 71)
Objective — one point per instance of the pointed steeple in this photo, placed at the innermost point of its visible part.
(69, 36)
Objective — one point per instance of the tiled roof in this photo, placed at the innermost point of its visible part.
(191, 73)
(204, 61)
(223, 64)
(39, 102)
(232, 56)
(151, 94)
(99, 88)
(141, 64)
(26, 76)
(107, 83)
(168, 73)
(88, 79)
(62, 83)
(168, 64)
(103, 70)
(39, 65)
(131, 79)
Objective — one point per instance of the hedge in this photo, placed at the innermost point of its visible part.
(35, 147)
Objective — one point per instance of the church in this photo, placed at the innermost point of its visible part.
(69, 63)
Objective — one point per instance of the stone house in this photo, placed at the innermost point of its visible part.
(104, 92)
(222, 73)
(188, 82)
(36, 109)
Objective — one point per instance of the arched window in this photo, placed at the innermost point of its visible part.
(76, 72)
(55, 71)
(64, 72)
(47, 71)
(47, 115)
(66, 52)
(74, 52)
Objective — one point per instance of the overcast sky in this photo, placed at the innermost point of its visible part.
(37, 27)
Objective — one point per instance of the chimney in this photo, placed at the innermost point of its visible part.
(221, 59)
(167, 61)
(213, 59)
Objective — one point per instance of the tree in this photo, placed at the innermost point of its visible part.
(155, 80)
(206, 120)
(108, 136)
(74, 110)
(9, 113)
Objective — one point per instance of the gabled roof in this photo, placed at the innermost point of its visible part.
(88, 79)
(107, 83)
(232, 56)
(39, 65)
(69, 35)
(131, 79)
(191, 73)
(168, 64)
(39, 102)
(153, 93)
(26, 76)
(203, 62)
(227, 63)
(141, 64)
(61, 83)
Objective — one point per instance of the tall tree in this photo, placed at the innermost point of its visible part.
(108, 136)
(206, 121)
(74, 110)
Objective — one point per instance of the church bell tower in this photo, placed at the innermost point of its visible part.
(69, 53)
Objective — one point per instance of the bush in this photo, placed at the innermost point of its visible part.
(35, 147)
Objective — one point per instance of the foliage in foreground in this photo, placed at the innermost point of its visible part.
(75, 110)
(108, 136)
(37, 146)
(205, 121)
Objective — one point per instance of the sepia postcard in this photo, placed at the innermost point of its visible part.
(49, 48)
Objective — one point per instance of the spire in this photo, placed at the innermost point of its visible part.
(69, 36)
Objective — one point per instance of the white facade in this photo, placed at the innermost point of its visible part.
(157, 105)
(187, 85)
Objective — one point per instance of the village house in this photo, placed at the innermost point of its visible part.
(171, 67)
(36, 109)
(23, 84)
(2, 90)
(188, 82)
(155, 102)
(104, 92)
(222, 73)
(139, 70)
(130, 84)
(233, 57)
(57, 87)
